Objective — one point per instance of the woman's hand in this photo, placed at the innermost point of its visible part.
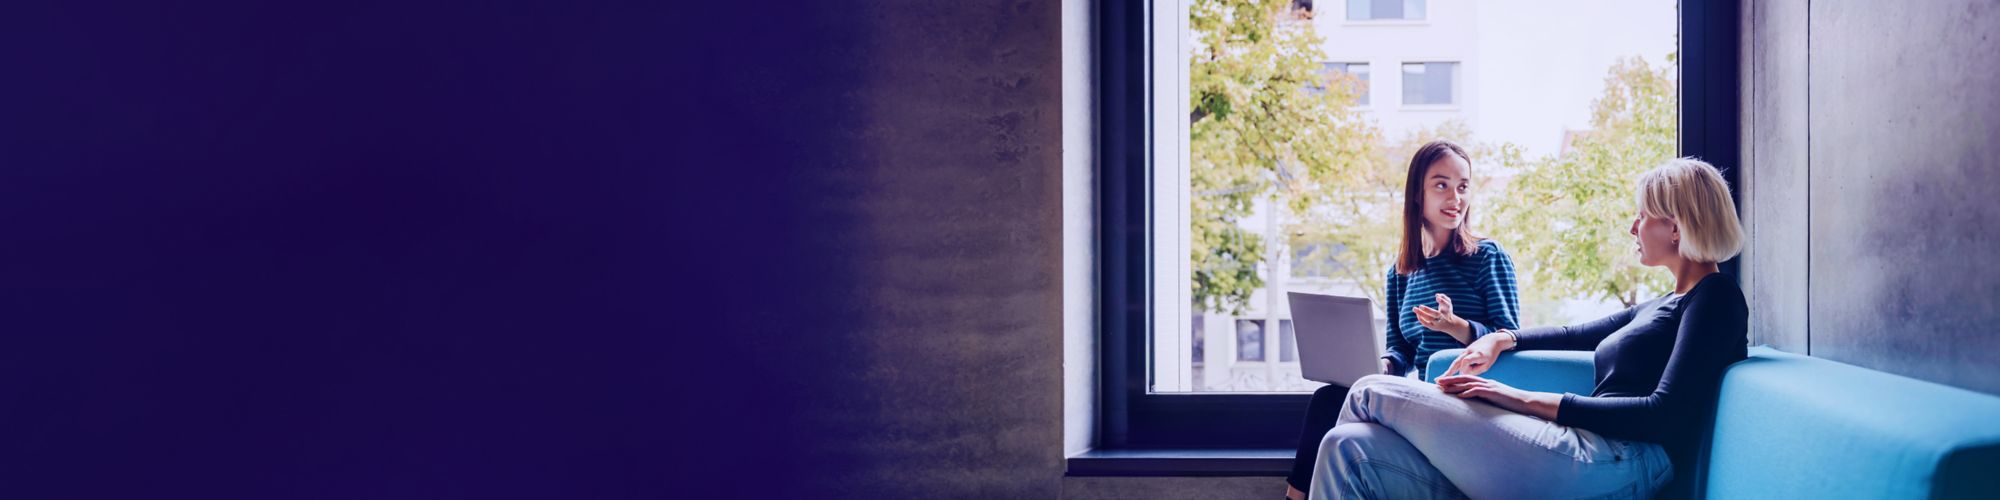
(1537, 404)
(1481, 355)
(1441, 319)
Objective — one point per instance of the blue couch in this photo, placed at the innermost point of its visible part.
(1791, 426)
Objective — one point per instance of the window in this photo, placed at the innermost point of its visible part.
(1249, 340)
(1238, 223)
(1431, 83)
(1197, 252)
(1288, 342)
(1377, 10)
(1356, 72)
(1198, 340)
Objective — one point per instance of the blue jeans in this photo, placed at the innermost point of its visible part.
(1404, 438)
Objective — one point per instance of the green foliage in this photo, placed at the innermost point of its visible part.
(1575, 209)
(1267, 124)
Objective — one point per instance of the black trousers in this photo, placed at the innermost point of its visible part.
(1321, 414)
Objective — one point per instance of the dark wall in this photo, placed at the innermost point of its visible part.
(572, 250)
(1875, 168)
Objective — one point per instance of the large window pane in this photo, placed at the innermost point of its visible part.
(1262, 189)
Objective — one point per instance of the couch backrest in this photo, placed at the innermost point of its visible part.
(1539, 371)
(1791, 426)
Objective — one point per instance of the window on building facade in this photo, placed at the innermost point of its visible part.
(1377, 10)
(1430, 83)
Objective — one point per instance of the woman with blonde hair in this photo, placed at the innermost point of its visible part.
(1659, 366)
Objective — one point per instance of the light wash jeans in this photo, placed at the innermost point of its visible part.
(1403, 438)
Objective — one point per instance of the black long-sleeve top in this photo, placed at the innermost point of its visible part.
(1659, 364)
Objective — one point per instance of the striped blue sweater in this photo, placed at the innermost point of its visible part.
(1482, 290)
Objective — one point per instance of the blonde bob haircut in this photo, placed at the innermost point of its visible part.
(1691, 193)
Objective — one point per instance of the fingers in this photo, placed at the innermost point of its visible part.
(1425, 312)
(1444, 304)
(1461, 385)
(1474, 367)
(1451, 388)
(1426, 316)
(1464, 362)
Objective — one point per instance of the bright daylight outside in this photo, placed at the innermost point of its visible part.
(1284, 130)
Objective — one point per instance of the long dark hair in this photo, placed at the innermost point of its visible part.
(1410, 257)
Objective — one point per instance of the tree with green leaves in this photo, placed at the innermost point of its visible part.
(1267, 125)
(1579, 204)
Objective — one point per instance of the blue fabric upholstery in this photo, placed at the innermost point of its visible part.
(1791, 426)
(1540, 371)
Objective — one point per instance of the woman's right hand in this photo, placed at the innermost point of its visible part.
(1480, 356)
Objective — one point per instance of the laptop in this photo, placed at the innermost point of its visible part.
(1337, 340)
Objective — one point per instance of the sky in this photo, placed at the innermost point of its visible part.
(1543, 62)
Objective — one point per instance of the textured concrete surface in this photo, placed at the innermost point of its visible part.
(1774, 191)
(954, 184)
(1905, 173)
(1900, 168)
(561, 250)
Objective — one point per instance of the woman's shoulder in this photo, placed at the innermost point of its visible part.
(1720, 285)
(1717, 289)
(1489, 249)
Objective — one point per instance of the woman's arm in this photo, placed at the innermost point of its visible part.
(1577, 337)
(1543, 405)
(1711, 335)
(1502, 293)
(1400, 352)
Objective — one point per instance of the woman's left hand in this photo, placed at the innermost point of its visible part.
(1539, 404)
(1441, 319)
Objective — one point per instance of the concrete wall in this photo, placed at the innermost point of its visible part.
(1873, 170)
(583, 249)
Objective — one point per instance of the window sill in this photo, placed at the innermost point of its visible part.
(1181, 462)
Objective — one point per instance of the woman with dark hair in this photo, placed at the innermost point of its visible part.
(1448, 288)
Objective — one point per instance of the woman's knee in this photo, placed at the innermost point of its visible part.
(1376, 380)
(1373, 394)
(1377, 386)
(1349, 446)
(1346, 442)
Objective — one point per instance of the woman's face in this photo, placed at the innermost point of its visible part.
(1447, 185)
(1659, 240)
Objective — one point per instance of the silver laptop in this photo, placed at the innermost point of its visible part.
(1337, 340)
